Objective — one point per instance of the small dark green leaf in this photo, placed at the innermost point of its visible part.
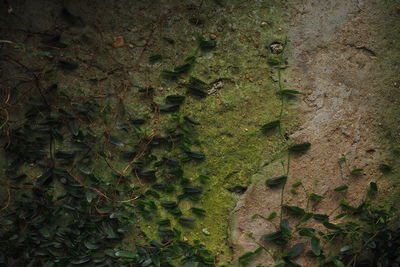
(73, 126)
(315, 197)
(272, 182)
(190, 120)
(137, 121)
(186, 221)
(45, 178)
(190, 60)
(169, 40)
(306, 217)
(79, 261)
(175, 99)
(195, 155)
(155, 58)
(126, 254)
(271, 216)
(320, 217)
(6, 222)
(341, 188)
(294, 210)
(289, 92)
(170, 74)
(164, 222)
(306, 231)
(345, 248)
(198, 211)
(243, 259)
(148, 175)
(331, 226)
(273, 62)
(299, 147)
(295, 251)
(297, 184)
(338, 263)
(272, 236)
(192, 190)
(115, 141)
(356, 171)
(169, 204)
(315, 246)
(285, 228)
(373, 187)
(385, 168)
(208, 44)
(168, 107)
(67, 65)
(271, 125)
(18, 178)
(182, 68)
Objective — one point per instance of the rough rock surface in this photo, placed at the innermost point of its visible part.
(334, 56)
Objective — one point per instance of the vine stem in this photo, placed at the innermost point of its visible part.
(284, 185)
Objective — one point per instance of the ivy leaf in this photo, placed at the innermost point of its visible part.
(306, 231)
(300, 147)
(385, 168)
(295, 251)
(170, 74)
(285, 228)
(73, 126)
(273, 236)
(192, 190)
(154, 58)
(315, 197)
(198, 211)
(320, 217)
(331, 226)
(186, 221)
(126, 254)
(45, 178)
(271, 125)
(182, 68)
(315, 246)
(356, 171)
(168, 107)
(115, 141)
(289, 92)
(271, 216)
(295, 210)
(341, 188)
(306, 217)
(169, 204)
(175, 99)
(67, 65)
(196, 155)
(272, 182)
(338, 263)
(373, 187)
(243, 259)
(190, 120)
(345, 248)
(208, 44)
(273, 62)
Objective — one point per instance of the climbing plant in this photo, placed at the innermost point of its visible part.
(364, 236)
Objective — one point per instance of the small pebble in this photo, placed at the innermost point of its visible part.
(205, 231)
(264, 23)
(213, 36)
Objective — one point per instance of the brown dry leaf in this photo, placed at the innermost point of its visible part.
(119, 41)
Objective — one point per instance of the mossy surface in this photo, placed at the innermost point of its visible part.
(231, 117)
